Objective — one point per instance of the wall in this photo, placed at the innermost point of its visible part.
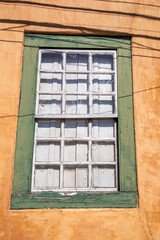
(139, 19)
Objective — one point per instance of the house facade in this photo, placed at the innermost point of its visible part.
(110, 190)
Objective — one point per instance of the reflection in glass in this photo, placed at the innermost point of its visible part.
(76, 62)
(51, 61)
(103, 83)
(50, 104)
(77, 104)
(103, 105)
(50, 82)
(77, 82)
(103, 62)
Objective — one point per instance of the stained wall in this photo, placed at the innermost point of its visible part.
(139, 19)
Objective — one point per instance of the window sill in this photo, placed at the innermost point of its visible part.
(79, 200)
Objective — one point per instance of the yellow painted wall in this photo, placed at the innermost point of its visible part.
(141, 20)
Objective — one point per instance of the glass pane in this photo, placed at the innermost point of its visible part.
(77, 82)
(77, 104)
(48, 152)
(76, 128)
(103, 62)
(50, 82)
(103, 83)
(69, 177)
(103, 128)
(81, 177)
(75, 177)
(50, 104)
(51, 61)
(102, 152)
(76, 62)
(76, 151)
(103, 177)
(82, 152)
(70, 152)
(46, 178)
(103, 105)
(49, 128)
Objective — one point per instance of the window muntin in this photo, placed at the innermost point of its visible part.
(76, 111)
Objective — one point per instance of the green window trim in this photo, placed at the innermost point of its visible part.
(22, 198)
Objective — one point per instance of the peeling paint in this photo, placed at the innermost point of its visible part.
(142, 223)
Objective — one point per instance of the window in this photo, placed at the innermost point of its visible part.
(69, 143)
(76, 121)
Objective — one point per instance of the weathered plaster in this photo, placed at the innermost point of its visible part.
(142, 223)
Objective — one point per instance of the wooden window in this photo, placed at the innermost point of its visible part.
(80, 138)
(76, 121)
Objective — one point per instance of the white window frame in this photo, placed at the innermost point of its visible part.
(88, 117)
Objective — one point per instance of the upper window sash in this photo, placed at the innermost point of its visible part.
(64, 65)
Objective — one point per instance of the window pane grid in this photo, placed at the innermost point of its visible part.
(90, 165)
(92, 91)
(87, 175)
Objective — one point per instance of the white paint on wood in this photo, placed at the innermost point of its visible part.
(76, 127)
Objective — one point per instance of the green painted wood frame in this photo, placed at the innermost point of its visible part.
(22, 198)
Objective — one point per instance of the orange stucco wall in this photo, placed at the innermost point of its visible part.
(141, 20)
